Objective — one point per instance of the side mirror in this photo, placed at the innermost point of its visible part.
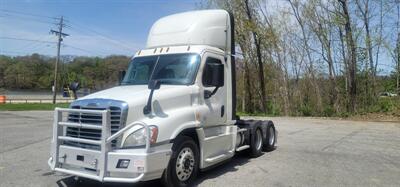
(154, 84)
(214, 75)
(121, 76)
(74, 86)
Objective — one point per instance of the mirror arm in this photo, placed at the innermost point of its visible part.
(208, 94)
(153, 85)
(147, 108)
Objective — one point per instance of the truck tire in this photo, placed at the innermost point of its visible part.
(256, 143)
(270, 140)
(184, 163)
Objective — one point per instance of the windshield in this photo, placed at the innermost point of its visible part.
(177, 69)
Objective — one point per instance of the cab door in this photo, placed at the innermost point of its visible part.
(216, 137)
(216, 104)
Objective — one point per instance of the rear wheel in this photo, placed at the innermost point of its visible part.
(256, 143)
(183, 165)
(269, 143)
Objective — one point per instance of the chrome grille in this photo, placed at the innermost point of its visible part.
(117, 121)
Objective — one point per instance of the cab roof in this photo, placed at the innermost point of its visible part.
(204, 27)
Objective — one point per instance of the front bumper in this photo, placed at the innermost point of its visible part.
(101, 165)
(142, 166)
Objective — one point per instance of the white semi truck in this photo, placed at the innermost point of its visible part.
(172, 115)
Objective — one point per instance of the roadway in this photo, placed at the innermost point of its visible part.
(310, 152)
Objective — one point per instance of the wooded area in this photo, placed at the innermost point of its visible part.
(36, 72)
(295, 57)
(315, 57)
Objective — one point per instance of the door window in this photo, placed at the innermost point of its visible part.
(210, 60)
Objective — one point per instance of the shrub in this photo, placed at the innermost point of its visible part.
(328, 111)
(385, 105)
(306, 110)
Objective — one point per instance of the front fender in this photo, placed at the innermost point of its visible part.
(170, 125)
(188, 125)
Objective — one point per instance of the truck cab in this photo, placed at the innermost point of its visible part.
(172, 115)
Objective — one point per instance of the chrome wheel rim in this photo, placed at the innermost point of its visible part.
(258, 139)
(271, 136)
(185, 164)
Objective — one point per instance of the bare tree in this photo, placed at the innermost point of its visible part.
(304, 55)
(397, 51)
(351, 50)
(257, 44)
(311, 70)
(364, 8)
(322, 26)
(273, 47)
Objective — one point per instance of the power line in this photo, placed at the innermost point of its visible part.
(121, 44)
(40, 44)
(77, 48)
(100, 52)
(25, 39)
(32, 44)
(6, 52)
(25, 18)
(39, 48)
(114, 44)
(27, 14)
(80, 27)
(47, 42)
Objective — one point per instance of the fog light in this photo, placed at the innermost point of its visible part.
(123, 163)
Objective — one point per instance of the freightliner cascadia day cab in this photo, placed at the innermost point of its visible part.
(172, 115)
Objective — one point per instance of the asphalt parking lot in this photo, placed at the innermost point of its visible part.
(310, 152)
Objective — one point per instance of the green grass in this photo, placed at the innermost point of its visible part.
(31, 106)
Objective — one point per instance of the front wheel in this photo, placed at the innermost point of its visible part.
(184, 163)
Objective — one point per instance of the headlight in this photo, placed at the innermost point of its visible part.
(138, 138)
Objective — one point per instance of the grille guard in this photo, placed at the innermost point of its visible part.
(118, 109)
(104, 142)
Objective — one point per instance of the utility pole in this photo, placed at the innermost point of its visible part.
(60, 35)
(397, 53)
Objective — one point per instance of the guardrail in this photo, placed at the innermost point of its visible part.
(104, 142)
(16, 101)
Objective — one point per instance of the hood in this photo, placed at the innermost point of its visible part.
(165, 99)
(138, 94)
(122, 93)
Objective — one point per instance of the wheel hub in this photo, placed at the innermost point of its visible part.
(184, 164)
(271, 136)
(258, 139)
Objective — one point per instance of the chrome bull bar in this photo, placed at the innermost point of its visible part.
(104, 143)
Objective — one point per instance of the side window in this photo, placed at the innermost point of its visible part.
(210, 60)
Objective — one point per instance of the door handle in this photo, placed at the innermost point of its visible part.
(222, 111)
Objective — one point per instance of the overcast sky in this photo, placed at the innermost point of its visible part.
(96, 27)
